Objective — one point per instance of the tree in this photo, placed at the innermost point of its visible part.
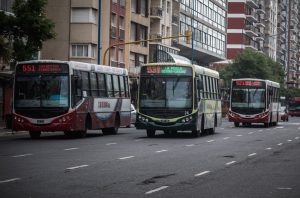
(22, 34)
(253, 64)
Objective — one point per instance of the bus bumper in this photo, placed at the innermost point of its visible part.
(188, 126)
(232, 117)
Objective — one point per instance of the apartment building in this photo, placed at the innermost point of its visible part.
(164, 18)
(207, 20)
(246, 23)
(271, 33)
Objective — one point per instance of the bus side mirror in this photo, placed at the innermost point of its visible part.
(84, 94)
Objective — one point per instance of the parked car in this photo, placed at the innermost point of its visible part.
(132, 115)
(284, 116)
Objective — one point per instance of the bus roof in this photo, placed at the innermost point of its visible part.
(84, 66)
(197, 68)
(268, 82)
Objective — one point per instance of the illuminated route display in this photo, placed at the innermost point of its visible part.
(41, 68)
(166, 70)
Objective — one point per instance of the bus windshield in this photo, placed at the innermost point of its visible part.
(294, 105)
(41, 91)
(166, 92)
(248, 98)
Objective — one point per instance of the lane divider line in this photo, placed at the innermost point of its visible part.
(70, 149)
(225, 138)
(111, 143)
(229, 163)
(280, 144)
(76, 167)
(9, 180)
(210, 141)
(128, 157)
(252, 154)
(22, 155)
(202, 173)
(189, 145)
(269, 148)
(161, 151)
(156, 190)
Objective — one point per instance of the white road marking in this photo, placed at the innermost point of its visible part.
(202, 173)
(222, 128)
(225, 138)
(70, 149)
(189, 145)
(252, 154)
(137, 140)
(156, 190)
(239, 135)
(22, 155)
(111, 143)
(296, 138)
(280, 127)
(128, 157)
(250, 133)
(280, 144)
(269, 148)
(289, 140)
(75, 167)
(161, 151)
(284, 188)
(9, 180)
(210, 140)
(260, 130)
(268, 129)
(229, 163)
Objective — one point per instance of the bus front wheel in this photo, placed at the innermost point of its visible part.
(35, 134)
(150, 133)
(236, 124)
(196, 133)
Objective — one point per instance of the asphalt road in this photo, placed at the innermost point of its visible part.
(235, 162)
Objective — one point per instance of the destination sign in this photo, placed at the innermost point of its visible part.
(251, 83)
(33, 68)
(167, 70)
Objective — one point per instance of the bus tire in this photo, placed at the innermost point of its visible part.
(114, 130)
(267, 124)
(212, 131)
(236, 124)
(150, 132)
(35, 134)
(196, 133)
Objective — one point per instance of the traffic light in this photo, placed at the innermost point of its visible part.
(188, 36)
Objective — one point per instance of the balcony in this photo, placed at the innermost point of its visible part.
(260, 24)
(280, 27)
(260, 36)
(157, 37)
(156, 12)
(250, 31)
(251, 17)
(251, 44)
(260, 9)
(252, 3)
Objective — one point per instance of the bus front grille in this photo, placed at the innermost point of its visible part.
(164, 114)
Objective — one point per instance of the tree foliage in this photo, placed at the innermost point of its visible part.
(22, 34)
(253, 64)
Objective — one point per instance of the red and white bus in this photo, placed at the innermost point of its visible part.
(254, 101)
(294, 106)
(69, 96)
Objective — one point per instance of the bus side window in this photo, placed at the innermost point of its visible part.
(116, 86)
(93, 83)
(200, 86)
(101, 85)
(122, 88)
(127, 94)
(85, 82)
(109, 86)
(76, 87)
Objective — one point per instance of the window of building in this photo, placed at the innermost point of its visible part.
(83, 15)
(134, 6)
(80, 50)
(133, 36)
(121, 56)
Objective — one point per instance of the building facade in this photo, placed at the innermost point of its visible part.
(207, 20)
